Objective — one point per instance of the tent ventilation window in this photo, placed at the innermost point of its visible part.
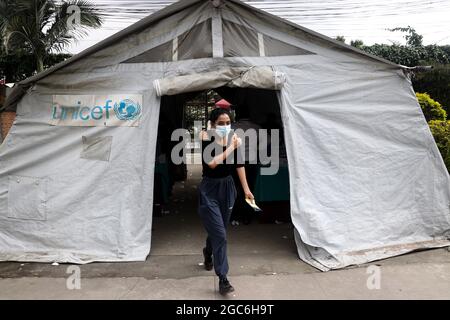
(161, 53)
(240, 41)
(274, 47)
(181, 47)
(200, 34)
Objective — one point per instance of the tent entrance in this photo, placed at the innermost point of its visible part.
(177, 228)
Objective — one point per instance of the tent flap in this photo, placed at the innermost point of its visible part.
(253, 77)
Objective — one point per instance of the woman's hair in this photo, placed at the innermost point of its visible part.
(216, 113)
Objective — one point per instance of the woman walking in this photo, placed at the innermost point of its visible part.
(217, 192)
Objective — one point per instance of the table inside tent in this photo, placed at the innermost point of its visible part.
(162, 183)
(273, 187)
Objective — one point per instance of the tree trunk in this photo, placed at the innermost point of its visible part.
(39, 63)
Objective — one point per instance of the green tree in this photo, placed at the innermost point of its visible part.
(436, 83)
(43, 27)
(357, 43)
(16, 66)
(340, 38)
(413, 39)
(412, 54)
(432, 110)
(441, 133)
(409, 56)
(446, 49)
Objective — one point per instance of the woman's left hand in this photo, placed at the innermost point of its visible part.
(249, 195)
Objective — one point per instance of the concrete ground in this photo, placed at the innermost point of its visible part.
(263, 265)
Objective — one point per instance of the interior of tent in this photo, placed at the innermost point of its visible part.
(238, 41)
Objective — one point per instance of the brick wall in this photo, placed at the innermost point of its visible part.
(6, 120)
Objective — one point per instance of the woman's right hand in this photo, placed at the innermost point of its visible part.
(203, 135)
(236, 141)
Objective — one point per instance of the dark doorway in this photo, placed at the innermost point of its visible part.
(177, 228)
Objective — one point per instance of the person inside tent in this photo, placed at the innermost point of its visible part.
(217, 192)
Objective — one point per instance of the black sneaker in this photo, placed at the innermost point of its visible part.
(225, 286)
(208, 260)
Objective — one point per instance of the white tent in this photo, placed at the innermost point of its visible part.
(76, 170)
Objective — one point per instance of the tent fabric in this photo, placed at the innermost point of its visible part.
(95, 210)
(366, 178)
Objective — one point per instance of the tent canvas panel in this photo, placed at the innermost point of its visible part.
(96, 210)
(365, 171)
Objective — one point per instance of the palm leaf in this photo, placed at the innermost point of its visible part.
(60, 33)
(41, 26)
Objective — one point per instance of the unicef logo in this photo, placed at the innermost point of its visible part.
(127, 109)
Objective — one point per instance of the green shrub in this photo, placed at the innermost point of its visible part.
(436, 83)
(441, 134)
(431, 109)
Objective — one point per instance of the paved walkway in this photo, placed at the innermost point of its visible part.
(417, 276)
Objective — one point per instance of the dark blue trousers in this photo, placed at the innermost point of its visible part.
(216, 200)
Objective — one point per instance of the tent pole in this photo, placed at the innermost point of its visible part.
(217, 40)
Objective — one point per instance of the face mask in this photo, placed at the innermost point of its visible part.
(223, 131)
